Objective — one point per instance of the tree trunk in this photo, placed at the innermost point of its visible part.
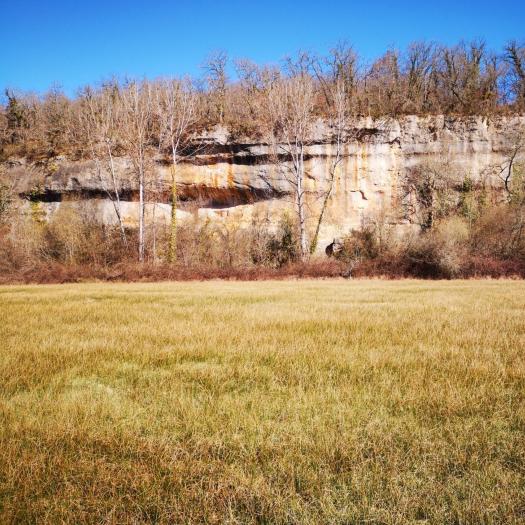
(172, 252)
(315, 240)
(154, 233)
(300, 207)
(117, 198)
(141, 218)
(116, 202)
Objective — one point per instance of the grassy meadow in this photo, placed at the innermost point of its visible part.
(307, 402)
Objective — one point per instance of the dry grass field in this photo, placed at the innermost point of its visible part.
(266, 402)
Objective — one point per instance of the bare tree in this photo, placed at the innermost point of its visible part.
(338, 70)
(383, 85)
(177, 114)
(469, 78)
(135, 129)
(55, 109)
(99, 120)
(217, 80)
(343, 67)
(418, 68)
(247, 98)
(514, 152)
(515, 57)
(339, 108)
(290, 107)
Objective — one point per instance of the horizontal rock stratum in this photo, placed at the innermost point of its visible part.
(238, 183)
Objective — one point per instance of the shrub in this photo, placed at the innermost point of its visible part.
(283, 246)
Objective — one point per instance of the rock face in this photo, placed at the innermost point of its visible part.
(238, 184)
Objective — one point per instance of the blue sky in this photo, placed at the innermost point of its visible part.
(71, 43)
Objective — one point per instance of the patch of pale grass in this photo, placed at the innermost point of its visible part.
(265, 402)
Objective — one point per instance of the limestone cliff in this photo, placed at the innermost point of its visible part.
(237, 182)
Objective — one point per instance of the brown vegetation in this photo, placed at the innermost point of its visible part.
(491, 246)
(73, 248)
(462, 232)
(466, 79)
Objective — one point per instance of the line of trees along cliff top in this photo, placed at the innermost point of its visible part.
(426, 78)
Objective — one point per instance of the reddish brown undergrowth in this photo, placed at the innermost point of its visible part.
(134, 272)
(56, 273)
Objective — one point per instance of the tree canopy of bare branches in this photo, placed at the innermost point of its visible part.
(426, 78)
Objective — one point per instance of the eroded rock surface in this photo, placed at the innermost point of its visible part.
(239, 183)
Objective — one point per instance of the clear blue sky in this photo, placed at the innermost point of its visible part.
(73, 42)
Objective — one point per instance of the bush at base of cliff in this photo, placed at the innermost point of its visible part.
(283, 247)
(492, 246)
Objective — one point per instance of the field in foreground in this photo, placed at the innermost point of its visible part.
(267, 402)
